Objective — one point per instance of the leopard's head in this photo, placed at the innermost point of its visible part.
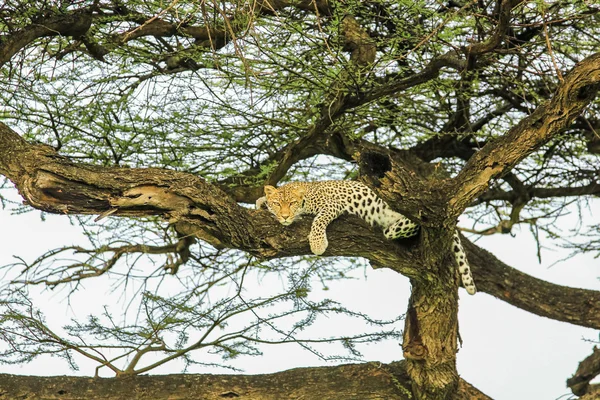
(285, 203)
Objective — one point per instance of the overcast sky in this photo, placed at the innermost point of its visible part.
(507, 353)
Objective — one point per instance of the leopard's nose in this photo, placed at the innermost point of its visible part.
(286, 218)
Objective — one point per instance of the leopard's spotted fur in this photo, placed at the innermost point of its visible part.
(327, 200)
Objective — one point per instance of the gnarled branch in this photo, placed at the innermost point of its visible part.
(498, 157)
(86, 189)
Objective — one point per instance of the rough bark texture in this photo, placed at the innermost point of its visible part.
(53, 183)
(431, 329)
(498, 157)
(75, 24)
(431, 325)
(345, 382)
(440, 201)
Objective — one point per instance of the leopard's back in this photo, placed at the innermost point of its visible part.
(327, 200)
(348, 196)
(333, 198)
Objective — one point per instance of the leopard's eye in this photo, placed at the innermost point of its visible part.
(275, 203)
(293, 202)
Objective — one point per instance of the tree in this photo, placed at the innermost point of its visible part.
(168, 116)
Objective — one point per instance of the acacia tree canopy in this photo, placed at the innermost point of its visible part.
(154, 125)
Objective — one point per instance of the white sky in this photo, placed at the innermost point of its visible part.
(507, 353)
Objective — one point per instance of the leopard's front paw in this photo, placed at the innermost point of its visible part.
(318, 245)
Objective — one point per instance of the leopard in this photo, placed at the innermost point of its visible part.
(327, 200)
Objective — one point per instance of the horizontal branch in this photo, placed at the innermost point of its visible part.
(77, 23)
(73, 24)
(202, 210)
(576, 306)
(541, 193)
(350, 382)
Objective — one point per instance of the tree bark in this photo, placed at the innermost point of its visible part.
(54, 184)
(441, 201)
(344, 382)
(561, 303)
(431, 324)
(578, 89)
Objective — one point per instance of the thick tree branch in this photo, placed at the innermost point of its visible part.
(561, 303)
(498, 157)
(445, 145)
(349, 382)
(208, 36)
(74, 24)
(78, 22)
(54, 184)
(406, 183)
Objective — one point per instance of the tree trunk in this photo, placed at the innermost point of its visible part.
(431, 324)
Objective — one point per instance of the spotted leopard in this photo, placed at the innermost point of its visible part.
(327, 200)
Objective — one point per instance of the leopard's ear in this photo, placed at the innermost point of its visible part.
(270, 190)
(300, 191)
